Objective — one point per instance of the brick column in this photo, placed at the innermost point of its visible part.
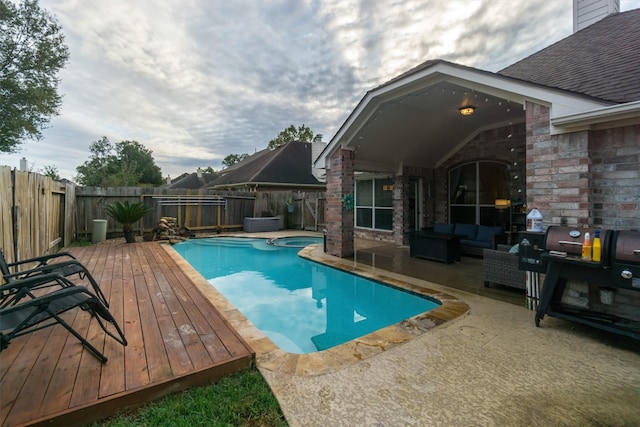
(400, 210)
(558, 169)
(340, 222)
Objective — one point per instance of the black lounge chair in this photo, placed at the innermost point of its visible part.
(65, 268)
(30, 315)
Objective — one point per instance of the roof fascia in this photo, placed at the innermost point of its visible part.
(269, 184)
(614, 115)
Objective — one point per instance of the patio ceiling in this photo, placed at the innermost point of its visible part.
(414, 120)
(424, 128)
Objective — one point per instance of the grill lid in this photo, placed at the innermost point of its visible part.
(568, 239)
(627, 246)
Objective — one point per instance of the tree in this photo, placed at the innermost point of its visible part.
(32, 51)
(51, 171)
(128, 163)
(209, 169)
(232, 159)
(301, 133)
(139, 159)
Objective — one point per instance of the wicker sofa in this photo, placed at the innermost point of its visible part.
(501, 267)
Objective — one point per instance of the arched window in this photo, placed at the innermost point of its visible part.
(473, 190)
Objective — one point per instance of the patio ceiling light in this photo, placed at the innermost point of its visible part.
(467, 110)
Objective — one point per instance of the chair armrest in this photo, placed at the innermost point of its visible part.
(44, 269)
(42, 260)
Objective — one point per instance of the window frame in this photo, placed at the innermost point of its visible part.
(478, 208)
(374, 209)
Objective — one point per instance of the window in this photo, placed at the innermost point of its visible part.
(473, 190)
(374, 203)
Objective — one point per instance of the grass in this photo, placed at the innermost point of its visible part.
(242, 399)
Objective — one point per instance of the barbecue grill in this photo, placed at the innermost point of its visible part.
(625, 265)
(619, 267)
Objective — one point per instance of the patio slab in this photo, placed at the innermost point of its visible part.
(490, 367)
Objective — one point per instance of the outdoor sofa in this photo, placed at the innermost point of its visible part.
(474, 238)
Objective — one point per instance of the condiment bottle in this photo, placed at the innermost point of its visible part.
(586, 248)
(597, 248)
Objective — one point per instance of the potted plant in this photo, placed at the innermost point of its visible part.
(290, 205)
(127, 214)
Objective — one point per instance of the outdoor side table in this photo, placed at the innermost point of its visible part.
(442, 247)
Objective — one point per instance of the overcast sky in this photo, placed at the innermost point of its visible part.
(196, 80)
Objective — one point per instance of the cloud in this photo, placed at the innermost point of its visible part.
(196, 80)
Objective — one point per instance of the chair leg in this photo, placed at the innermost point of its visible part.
(82, 339)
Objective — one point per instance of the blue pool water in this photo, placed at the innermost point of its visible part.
(302, 306)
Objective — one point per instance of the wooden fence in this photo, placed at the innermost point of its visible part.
(37, 214)
(196, 210)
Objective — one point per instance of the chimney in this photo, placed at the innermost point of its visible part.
(587, 12)
(23, 164)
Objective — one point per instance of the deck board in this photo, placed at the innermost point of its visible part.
(177, 339)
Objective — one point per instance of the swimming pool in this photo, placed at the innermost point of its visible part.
(302, 306)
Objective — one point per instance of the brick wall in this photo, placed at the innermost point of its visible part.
(615, 178)
(586, 178)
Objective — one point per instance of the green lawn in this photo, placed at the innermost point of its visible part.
(243, 399)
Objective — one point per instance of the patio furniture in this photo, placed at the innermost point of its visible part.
(442, 247)
(501, 267)
(38, 313)
(65, 268)
(473, 237)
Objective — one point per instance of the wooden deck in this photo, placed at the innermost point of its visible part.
(177, 340)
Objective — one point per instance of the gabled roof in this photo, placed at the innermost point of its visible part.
(287, 165)
(601, 61)
(191, 181)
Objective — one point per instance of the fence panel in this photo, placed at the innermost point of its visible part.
(6, 212)
(194, 209)
(35, 220)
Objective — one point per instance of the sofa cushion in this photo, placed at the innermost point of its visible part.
(486, 233)
(443, 228)
(468, 231)
(475, 243)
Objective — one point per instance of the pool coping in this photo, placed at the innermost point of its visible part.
(270, 357)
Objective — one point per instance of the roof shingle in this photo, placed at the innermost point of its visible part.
(601, 61)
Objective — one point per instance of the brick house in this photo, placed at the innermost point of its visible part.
(559, 131)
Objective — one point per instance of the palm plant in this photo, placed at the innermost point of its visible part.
(127, 214)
